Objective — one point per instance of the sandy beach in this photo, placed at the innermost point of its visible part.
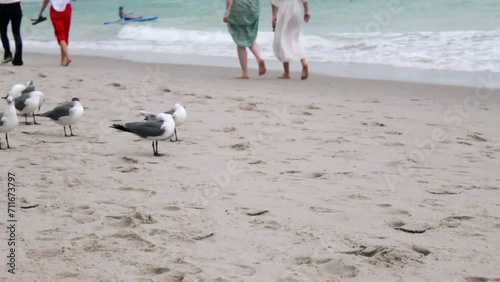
(327, 179)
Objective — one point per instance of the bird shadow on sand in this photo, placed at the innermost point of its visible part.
(51, 134)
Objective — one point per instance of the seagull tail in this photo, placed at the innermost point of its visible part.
(120, 127)
(46, 114)
(147, 115)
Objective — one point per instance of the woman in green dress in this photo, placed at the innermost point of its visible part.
(242, 18)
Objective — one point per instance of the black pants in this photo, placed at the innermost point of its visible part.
(12, 13)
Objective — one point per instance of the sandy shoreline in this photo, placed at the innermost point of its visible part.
(342, 166)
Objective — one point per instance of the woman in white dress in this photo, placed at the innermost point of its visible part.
(287, 23)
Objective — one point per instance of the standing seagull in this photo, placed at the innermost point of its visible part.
(161, 128)
(26, 100)
(8, 120)
(65, 115)
(18, 89)
(28, 103)
(178, 112)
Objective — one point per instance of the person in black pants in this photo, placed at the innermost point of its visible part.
(11, 11)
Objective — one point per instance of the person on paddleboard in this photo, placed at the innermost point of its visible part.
(126, 17)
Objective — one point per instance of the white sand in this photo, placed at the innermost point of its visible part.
(337, 163)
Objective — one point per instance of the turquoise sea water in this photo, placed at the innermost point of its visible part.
(462, 35)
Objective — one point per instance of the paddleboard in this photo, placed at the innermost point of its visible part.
(134, 20)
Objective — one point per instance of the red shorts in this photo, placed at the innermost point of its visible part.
(61, 22)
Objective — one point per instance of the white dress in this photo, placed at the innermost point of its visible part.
(286, 45)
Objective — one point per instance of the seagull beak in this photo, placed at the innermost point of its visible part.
(5, 98)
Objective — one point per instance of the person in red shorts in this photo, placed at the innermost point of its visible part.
(60, 15)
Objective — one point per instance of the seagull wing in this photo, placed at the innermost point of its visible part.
(146, 129)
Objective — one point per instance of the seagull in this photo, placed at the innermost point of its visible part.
(66, 114)
(28, 103)
(178, 112)
(161, 128)
(26, 100)
(18, 89)
(8, 120)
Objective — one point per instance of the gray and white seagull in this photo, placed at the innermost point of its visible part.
(27, 100)
(178, 113)
(8, 120)
(66, 115)
(161, 128)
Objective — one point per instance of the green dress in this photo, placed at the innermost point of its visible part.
(244, 22)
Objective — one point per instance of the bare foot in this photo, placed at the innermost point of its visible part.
(242, 77)
(305, 72)
(67, 62)
(284, 76)
(262, 67)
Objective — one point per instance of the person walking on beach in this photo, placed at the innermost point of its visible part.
(242, 18)
(11, 12)
(287, 24)
(60, 15)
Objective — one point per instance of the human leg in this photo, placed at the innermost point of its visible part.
(67, 24)
(61, 31)
(17, 16)
(243, 57)
(286, 71)
(256, 51)
(4, 23)
(305, 69)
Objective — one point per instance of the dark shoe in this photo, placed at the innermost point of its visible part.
(7, 60)
(17, 63)
(39, 20)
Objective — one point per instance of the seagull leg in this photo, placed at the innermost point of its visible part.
(26, 119)
(156, 152)
(0, 143)
(175, 132)
(7, 139)
(71, 131)
(34, 120)
(65, 135)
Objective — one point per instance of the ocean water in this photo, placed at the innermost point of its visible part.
(453, 35)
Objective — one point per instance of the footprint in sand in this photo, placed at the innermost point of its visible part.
(83, 214)
(93, 245)
(339, 268)
(394, 144)
(117, 85)
(443, 192)
(312, 107)
(267, 224)
(394, 210)
(132, 219)
(134, 240)
(393, 133)
(246, 270)
(45, 253)
(248, 107)
(377, 124)
(321, 210)
(476, 137)
(240, 146)
(388, 256)
(476, 279)
(454, 221)
(411, 227)
(229, 129)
